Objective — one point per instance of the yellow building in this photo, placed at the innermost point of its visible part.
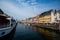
(41, 19)
(45, 17)
(51, 16)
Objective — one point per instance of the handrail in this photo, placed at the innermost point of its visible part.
(5, 28)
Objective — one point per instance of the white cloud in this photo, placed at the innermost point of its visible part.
(27, 9)
(13, 10)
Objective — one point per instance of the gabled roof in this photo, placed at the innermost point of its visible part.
(46, 13)
(58, 11)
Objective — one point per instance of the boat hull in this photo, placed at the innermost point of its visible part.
(6, 32)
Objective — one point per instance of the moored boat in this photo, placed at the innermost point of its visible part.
(7, 24)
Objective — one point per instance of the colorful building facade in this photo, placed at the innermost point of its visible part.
(50, 16)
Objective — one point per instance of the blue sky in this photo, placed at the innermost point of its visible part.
(22, 9)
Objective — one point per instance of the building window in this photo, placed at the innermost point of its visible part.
(54, 14)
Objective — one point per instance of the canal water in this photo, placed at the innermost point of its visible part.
(24, 32)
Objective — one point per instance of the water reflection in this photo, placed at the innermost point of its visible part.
(34, 33)
(26, 33)
(23, 32)
(49, 35)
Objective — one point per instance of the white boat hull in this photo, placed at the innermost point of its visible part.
(6, 31)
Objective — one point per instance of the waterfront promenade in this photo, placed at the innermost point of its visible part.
(47, 26)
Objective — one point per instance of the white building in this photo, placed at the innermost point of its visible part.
(55, 16)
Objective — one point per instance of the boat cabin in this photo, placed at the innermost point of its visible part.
(4, 22)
